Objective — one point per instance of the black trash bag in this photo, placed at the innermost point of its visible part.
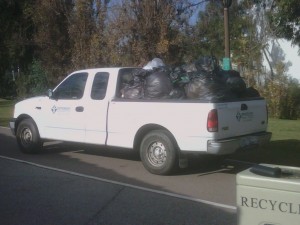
(133, 91)
(207, 89)
(189, 67)
(233, 81)
(225, 94)
(199, 88)
(236, 85)
(223, 75)
(179, 77)
(177, 93)
(127, 78)
(141, 73)
(251, 92)
(157, 85)
(208, 64)
(133, 86)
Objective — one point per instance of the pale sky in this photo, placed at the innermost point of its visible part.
(291, 55)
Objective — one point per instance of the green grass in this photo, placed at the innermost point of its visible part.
(284, 148)
(6, 111)
(284, 129)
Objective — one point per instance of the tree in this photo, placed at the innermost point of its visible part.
(290, 102)
(52, 37)
(209, 31)
(141, 30)
(244, 42)
(284, 18)
(16, 43)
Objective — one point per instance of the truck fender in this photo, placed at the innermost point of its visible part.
(20, 118)
(142, 131)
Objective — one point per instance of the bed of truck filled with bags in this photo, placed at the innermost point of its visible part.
(203, 80)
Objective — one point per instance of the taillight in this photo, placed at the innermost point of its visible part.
(212, 121)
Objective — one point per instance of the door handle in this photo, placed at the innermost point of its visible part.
(244, 107)
(79, 109)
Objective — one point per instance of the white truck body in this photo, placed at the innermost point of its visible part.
(99, 115)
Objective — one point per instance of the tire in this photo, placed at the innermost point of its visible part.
(28, 137)
(159, 153)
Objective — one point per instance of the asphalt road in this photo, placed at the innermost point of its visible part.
(73, 184)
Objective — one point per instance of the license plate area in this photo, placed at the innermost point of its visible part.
(248, 141)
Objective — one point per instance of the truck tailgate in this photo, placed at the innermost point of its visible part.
(241, 118)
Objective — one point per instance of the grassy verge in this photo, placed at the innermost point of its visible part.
(6, 111)
(284, 148)
(284, 129)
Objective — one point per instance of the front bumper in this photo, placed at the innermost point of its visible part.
(12, 125)
(229, 146)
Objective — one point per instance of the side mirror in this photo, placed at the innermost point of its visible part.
(50, 93)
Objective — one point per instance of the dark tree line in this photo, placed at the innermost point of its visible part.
(43, 40)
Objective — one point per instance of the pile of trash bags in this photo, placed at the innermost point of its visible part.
(202, 80)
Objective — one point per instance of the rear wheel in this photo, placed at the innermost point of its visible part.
(28, 137)
(158, 152)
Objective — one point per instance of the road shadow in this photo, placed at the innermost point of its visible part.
(96, 150)
(279, 152)
(203, 164)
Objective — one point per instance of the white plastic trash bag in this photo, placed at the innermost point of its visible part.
(156, 62)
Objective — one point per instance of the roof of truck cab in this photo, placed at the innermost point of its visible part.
(106, 69)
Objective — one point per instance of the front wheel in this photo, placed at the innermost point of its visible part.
(159, 153)
(28, 137)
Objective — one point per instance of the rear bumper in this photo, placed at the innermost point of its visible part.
(12, 124)
(231, 145)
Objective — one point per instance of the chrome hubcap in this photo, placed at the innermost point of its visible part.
(157, 154)
(26, 137)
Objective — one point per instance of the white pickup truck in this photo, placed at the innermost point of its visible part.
(87, 107)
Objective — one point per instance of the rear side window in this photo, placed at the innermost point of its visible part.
(125, 78)
(99, 86)
(72, 88)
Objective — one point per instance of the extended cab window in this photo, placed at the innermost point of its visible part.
(72, 87)
(99, 86)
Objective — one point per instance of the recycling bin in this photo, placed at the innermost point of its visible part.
(268, 195)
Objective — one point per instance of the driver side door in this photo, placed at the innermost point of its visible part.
(65, 110)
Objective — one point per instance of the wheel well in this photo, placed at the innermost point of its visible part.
(19, 119)
(146, 129)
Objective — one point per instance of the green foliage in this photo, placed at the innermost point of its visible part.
(245, 46)
(141, 30)
(6, 111)
(7, 86)
(32, 83)
(37, 79)
(284, 19)
(52, 36)
(290, 102)
(16, 33)
(21, 87)
(283, 97)
(210, 31)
